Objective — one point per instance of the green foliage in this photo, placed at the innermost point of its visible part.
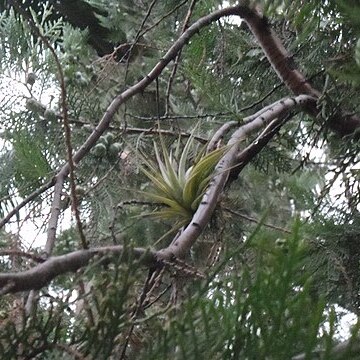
(16, 45)
(266, 294)
(247, 314)
(30, 163)
(98, 335)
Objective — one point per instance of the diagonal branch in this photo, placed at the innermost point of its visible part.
(202, 216)
(121, 99)
(40, 190)
(176, 61)
(282, 63)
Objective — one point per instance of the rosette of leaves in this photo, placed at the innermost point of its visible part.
(175, 185)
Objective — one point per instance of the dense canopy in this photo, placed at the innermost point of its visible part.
(180, 180)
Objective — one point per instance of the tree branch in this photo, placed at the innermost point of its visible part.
(256, 221)
(282, 63)
(42, 274)
(220, 133)
(27, 200)
(203, 214)
(23, 254)
(177, 58)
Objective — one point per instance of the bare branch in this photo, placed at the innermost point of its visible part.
(256, 221)
(55, 208)
(283, 64)
(27, 200)
(42, 274)
(176, 62)
(157, 131)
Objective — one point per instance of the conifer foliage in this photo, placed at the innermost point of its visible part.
(180, 179)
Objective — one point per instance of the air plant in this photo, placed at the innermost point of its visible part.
(178, 186)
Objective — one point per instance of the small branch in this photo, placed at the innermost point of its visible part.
(176, 62)
(23, 254)
(258, 102)
(146, 131)
(245, 155)
(128, 53)
(256, 221)
(173, 10)
(156, 131)
(220, 133)
(27, 200)
(181, 117)
(137, 310)
(69, 350)
(55, 208)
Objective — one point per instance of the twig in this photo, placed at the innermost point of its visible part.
(69, 350)
(23, 254)
(137, 311)
(180, 117)
(28, 199)
(176, 61)
(164, 17)
(256, 221)
(257, 102)
(128, 53)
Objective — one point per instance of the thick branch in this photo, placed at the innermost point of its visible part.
(283, 64)
(209, 201)
(42, 274)
(220, 133)
(276, 53)
(256, 146)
